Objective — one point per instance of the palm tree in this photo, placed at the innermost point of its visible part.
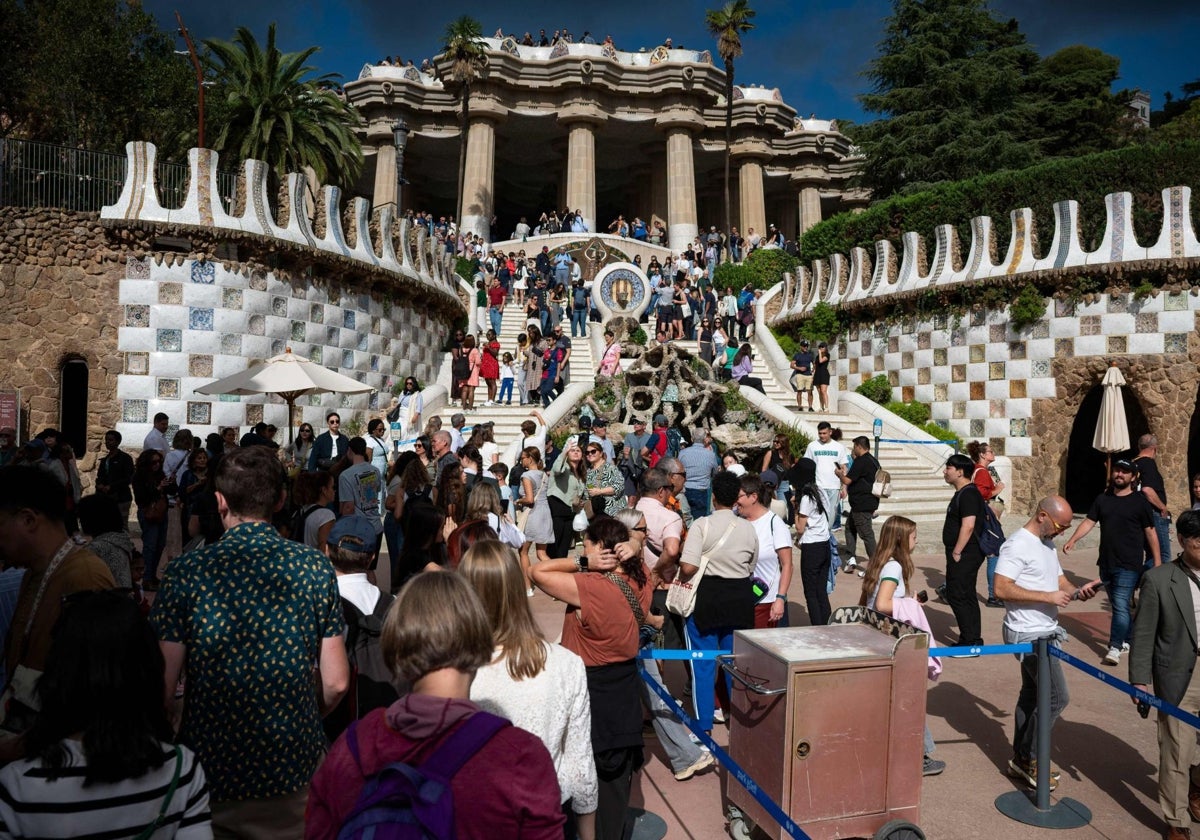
(727, 25)
(274, 114)
(464, 48)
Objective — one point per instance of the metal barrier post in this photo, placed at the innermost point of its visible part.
(1017, 804)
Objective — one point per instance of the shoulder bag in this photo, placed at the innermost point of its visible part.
(647, 634)
(881, 488)
(681, 596)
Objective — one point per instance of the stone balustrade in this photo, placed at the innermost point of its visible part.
(414, 259)
(896, 270)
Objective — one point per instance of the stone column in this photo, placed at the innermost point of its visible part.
(681, 188)
(479, 178)
(385, 175)
(658, 189)
(581, 171)
(752, 209)
(810, 207)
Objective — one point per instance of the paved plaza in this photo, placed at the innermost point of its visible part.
(1107, 754)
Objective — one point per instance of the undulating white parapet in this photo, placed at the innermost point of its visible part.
(1177, 239)
(1119, 243)
(1021, 257)
(861, 277)
(139, 195)
(1064, 249)
(839, 276)
(914, 266)
(362, 250)
(947, 258)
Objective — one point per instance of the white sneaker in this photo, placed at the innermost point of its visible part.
(851, 565)
(718, 716)
(1124, 647)
(1113, 657)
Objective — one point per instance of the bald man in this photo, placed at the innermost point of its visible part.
(1030, 581)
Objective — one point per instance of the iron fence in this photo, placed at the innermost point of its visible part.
(36, 174)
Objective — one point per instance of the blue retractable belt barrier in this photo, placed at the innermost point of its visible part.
(683, 654)
(743, 778)
(919, 442)
(1136, 693)
(981, 650)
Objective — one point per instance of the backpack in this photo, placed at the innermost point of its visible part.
(296, 529)
(372, 686)
(402, 802)
(461, 367)
(988, 532)
(579, 297)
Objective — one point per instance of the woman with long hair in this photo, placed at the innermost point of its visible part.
(450, 495)
(437, 637)
(149, 491)
(99, 758)
(566, 490)
(539, 526)
(888, 579)
(484, 503)
(779, 460)
(393, 504)
(424, 544)
(821, 374)
(603, 627)
(302, 448)
(539, 686)
(990, 486)
(743, 364)
(314, 492)
(471, 380)
(813, 529)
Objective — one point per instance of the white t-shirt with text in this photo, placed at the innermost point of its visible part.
(827, 456)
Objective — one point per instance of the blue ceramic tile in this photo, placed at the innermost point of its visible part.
(278, 347)
(200, 318)
(362, 342)
(348, 358)
(348, 318)
(204, 272)
(199, 413)
(169, 341)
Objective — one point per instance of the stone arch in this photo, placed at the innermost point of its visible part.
(73, 374)
(1084, 475)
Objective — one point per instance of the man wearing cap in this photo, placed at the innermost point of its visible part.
(803, 365)
(700, 464)
(1127, 532)
(359, 487)
(600, 436)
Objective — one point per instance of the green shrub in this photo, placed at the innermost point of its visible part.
(877, 389)
(787, 344)
(823, 323)
(797, 440)
(914, 412)
(1144, 171)
(639, 337)
(934, 430)
(465, 268)
(734, 401)
(767, 266)
(730, 275)
(1028, 308)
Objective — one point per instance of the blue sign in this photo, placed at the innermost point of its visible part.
(877, 427)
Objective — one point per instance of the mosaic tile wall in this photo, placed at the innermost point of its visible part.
(185, 325)
(980, 377)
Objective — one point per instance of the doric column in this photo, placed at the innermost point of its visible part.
(810, 207)
(752, 209)
(658, 187)
(479, 178)
(385, 175)
(581, 120)
(681, 188)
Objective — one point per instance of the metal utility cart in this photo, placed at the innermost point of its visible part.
(829, 722)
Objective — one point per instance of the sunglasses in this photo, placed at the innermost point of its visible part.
(593, 452)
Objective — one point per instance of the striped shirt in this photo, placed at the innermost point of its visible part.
(31, 805)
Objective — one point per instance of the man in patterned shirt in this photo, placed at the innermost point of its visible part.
(250, 615)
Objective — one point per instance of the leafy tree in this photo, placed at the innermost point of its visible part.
(1077, 112)
(90, 73)
(1184, 127)
(1174, 108)
(727, 24)
(951, 83)
(276, 113)
(464, 48)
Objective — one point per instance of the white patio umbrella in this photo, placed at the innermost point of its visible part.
(289, 376)
(1112, 429)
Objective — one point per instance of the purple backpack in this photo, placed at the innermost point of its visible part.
(402, 802)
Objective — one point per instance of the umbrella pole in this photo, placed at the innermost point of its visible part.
(291, 426)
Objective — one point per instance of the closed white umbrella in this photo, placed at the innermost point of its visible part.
(1112, 429)
(289, 376)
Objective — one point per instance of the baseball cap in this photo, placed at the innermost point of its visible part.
(355, 528)
(769, 477)
(660, 419)
(598, 422)
(1125, 465)
(639, 421)
(804, 342)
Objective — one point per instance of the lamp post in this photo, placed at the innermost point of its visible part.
(400, 140)
(200, 83)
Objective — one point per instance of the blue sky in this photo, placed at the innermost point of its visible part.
(815, 52)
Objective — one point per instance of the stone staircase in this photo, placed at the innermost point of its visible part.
(508, 418)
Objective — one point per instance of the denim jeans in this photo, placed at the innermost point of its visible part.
(991, 575)
(704, 671)
(506, 389)
(1120, 585)
(579, 320)
(154, 539)
(495, 316)
(1162, 527)
(672, 734)
(697, 501)
(1025, 718)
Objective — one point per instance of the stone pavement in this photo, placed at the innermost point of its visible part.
(1107, 754)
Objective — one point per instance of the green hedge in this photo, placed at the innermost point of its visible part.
(914, 412)
(876, 389)
(1144, 171)
(767, 266)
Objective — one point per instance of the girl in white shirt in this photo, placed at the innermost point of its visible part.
(812, 526)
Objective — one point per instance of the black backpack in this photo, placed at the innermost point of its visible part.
(296, 529)
(372, 685)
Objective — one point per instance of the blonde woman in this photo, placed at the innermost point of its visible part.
(539, 686)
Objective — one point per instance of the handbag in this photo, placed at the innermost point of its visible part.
(881, 488)
(681, 596)
(580, 523)
(647, 634)
(157, 511)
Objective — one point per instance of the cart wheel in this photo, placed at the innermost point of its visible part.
(899, 830)
(739, 826)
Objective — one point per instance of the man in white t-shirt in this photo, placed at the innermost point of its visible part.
(828, 453)
(1030, 581)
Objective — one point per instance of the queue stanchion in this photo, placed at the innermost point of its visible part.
(877, 431)
(1038, 810)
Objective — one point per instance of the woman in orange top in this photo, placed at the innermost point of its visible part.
(989, 487)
